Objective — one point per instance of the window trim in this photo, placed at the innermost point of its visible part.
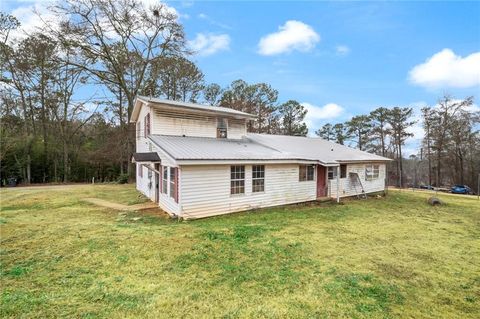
(374, 172)
(164, 180)
(146, 130)
(235, 179)
(343, 170)
(222, 130)
(258, 178)
(303, 173)
(333, 170)
(172, 185)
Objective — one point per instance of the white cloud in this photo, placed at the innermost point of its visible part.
(446, 69)
(293, 35)
(211, 21)
(316, 114)
(208, 44)
(342, 50)
(32, 17)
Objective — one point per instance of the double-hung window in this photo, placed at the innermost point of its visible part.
(222, 127)
(372, 171)
(343, 170)
(306, 173)
(164, 179)
(258, 178)
(237, 179)
(173, 181)
(332, 173)
(147, 125)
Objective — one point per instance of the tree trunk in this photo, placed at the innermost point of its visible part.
(65, 162)
(400, 163)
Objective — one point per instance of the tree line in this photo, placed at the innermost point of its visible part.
(110, 51)
(68, 89)
(449, 152)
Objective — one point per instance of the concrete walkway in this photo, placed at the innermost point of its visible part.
(117, 206)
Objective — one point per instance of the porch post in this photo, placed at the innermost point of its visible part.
(338, 184)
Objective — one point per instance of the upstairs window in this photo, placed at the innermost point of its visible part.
(147, 125)
(222, 126)
(237, 179)
(306, 173)
(332, 172)
(258, 178)
(372, 172)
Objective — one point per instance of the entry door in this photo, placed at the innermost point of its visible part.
(157, 183)
(321, 185)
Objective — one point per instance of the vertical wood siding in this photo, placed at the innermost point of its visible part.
(346, 187)
(205, 190)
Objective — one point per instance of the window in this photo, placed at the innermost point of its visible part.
(372, 172)
(258, 178)
(164, 179)
(332, 172)
(237, 180)
(343, 171)
(140, 170)
(306, 173)
(149, 171)
(222, 126)
(147, 125)
(173, 182)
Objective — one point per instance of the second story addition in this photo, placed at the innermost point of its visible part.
(173, 118)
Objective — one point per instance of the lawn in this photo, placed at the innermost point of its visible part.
(393, 257)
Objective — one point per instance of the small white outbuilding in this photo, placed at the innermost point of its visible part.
(197, 161)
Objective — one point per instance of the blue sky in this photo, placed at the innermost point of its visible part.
(338, 58)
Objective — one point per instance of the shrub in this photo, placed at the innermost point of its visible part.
(122, 179)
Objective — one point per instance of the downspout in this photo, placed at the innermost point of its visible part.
(338, 184)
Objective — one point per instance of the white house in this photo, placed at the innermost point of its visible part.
(198, 161)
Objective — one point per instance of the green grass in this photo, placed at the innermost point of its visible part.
(393, 257)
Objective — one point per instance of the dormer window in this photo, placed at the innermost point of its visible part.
(222, 125)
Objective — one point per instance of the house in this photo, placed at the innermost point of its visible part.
(198, 161)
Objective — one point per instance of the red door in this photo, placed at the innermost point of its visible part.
(321, 185)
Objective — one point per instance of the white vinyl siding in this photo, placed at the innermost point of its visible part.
(346, 186)
(194, 125)
(205, 190)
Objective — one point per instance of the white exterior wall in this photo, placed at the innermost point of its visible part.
(146, 184)
(205, 190)
(347, 189)
(201, 127)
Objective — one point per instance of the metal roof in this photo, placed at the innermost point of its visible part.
(189, 106)
(206, 148)
(260, 147)
(312, 148)
(146, 157)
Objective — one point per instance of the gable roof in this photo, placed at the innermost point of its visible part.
(261, 147)
(192, 107)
